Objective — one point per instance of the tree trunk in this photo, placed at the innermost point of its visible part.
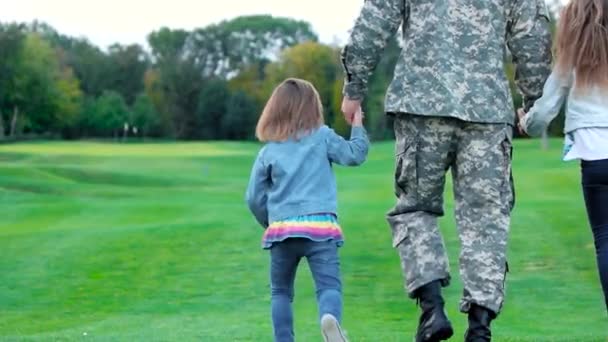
(545, 140)
(14, 122)
(125, 132)
(1, 126)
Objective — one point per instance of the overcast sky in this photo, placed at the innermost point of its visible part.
(129, 21)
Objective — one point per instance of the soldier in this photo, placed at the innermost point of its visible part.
(453, 110)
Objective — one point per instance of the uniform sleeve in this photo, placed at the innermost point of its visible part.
(547, 107)
(377, 22)
(256, 195)
(529, 41)
(348, 152)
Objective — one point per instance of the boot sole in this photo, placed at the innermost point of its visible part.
(331, 329)
(442, 334)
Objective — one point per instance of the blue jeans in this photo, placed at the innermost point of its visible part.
(595, 190)
(324, 264)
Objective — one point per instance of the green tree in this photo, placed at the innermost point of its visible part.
(110, 115)
(12, 39)
(38, 96)
(69, 102)
(167, 45)
(144, 116)
(311, 61)
(157, 96)
(87, 120)
(224, 49)
(238, 123)
(176, 82)
(37, 90)
(127, 66)
(251, 80)
(91, 66)
(212, 106)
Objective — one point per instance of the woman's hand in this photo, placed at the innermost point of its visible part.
(521, 114)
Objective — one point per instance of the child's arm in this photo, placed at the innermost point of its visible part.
(256, 191)
(547, 107)
(349, 152)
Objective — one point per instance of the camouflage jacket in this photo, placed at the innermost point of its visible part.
(453, 55)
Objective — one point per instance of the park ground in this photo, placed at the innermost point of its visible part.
(153, 242)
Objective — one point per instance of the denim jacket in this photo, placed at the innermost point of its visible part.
(295, 177)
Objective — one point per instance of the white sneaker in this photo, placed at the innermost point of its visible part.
(331, 329)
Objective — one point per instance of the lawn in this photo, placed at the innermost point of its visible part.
(153, 242)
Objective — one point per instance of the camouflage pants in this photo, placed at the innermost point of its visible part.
(479, 156)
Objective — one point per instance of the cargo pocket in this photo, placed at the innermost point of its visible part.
(406, 178)
(508, 187)
(504, 286)
(406, 175)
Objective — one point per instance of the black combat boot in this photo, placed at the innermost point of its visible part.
(479, 324)
(434, 324)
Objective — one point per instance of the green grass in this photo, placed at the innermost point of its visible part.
(153, 242)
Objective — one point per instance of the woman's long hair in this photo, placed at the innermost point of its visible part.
(582, 42)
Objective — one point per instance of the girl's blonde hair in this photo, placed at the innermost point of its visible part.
(582, 42)
(294, 109)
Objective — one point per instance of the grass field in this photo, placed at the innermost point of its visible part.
(153, 242)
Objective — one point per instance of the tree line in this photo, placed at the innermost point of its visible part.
(206, 84)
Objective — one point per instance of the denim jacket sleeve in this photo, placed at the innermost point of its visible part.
(256, 195)
(548, 106)
(347, 152)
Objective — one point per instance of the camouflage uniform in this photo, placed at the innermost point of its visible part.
(453, 109)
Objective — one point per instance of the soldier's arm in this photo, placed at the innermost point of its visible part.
(529, 41)
(379, 20)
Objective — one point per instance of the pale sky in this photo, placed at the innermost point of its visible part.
(129, 21)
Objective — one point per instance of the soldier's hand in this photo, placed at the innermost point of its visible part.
(349, 108)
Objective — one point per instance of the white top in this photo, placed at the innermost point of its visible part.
(586, 117)
(586, 144)
(585, 108)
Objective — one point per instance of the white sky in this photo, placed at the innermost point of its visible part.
(129, 21)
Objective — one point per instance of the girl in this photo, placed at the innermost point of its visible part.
(581, 76)
(292, 194)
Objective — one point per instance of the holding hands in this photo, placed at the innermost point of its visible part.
(351, 109)
(521, 114)
(358, 118)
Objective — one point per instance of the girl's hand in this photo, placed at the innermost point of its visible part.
(358, 117)
(349, 109)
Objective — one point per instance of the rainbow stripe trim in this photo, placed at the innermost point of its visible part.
(320, 227)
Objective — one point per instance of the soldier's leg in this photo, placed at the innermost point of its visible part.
(424, 151)
(484, 197)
